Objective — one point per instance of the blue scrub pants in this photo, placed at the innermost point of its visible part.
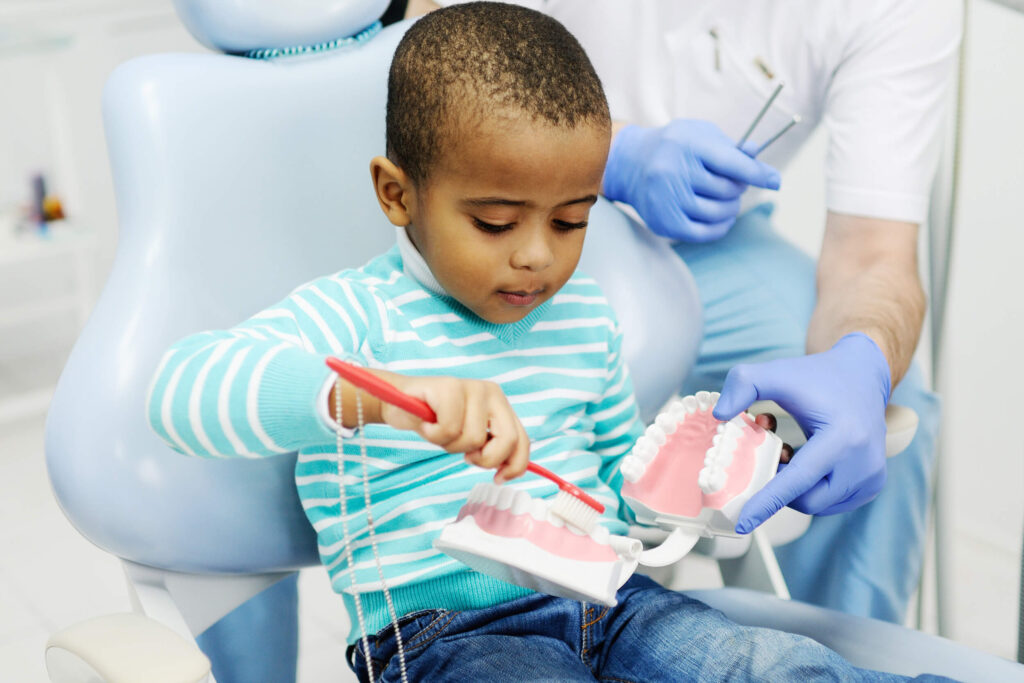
(758, 292)
(259, 641)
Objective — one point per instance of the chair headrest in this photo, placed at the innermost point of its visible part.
(241, 26)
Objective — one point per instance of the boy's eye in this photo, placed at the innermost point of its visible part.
(566, 225)
(491, 227)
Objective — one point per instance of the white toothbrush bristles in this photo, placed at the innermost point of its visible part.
(574, 511)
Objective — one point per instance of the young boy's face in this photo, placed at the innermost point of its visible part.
(501, 219)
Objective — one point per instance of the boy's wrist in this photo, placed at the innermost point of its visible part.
(371, 406)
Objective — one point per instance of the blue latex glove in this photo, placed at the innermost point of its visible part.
(684, 179)
(838, 397)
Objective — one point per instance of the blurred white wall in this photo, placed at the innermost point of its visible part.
(50, 120)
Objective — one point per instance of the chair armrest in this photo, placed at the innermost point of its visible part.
(123, 648)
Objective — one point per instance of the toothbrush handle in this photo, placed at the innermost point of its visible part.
(563, 485)
(385, 391)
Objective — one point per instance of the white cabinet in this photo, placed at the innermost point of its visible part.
(47, 289)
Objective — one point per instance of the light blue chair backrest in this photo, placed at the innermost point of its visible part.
(236, 181)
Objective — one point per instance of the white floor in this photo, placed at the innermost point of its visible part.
(51, 577)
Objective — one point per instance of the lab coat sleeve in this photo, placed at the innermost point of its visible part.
(259, 388)
(886, 108)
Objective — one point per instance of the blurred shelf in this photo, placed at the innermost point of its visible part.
(32, 312)
(25, 41)
(25, 405)
(61, 238)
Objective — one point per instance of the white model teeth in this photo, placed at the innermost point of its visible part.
(632, 469)
(519, 502)
(645, 449)
(712, 477)
(656, 434)
(635, 464)
(667, 423)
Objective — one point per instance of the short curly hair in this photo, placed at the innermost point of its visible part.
(466, 62)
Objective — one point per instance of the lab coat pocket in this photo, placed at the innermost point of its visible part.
(728, 84)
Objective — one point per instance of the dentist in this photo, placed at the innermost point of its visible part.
(832, 339)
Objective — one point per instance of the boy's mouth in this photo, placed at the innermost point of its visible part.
(520, 297)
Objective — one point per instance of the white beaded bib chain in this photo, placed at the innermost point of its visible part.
(360, 429)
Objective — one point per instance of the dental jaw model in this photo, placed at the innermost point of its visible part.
(691, 474)
(508, 534)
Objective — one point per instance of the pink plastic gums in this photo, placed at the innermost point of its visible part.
(692, 471)
(505, 533)
(542, 533)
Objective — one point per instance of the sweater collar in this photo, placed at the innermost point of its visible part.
(414, 265)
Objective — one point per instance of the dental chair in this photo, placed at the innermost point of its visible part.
(236, 180)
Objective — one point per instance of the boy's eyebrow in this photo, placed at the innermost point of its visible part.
(501, 201)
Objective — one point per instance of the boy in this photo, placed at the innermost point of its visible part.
(497, 135)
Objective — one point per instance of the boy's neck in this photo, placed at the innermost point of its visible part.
(414, 264)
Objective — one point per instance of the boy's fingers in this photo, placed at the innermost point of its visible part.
(449, 404)
(473, 431)
(501, 448)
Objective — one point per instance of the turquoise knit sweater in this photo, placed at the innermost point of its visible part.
(260, 389)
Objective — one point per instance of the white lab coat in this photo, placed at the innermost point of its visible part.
(877, 73)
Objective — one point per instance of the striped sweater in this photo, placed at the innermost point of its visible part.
(260, 389)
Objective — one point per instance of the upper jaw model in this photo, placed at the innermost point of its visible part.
(691, 472)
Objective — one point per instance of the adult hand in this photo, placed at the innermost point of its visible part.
(684, 179)
(838, 397)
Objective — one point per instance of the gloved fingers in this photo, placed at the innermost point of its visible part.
(776, 494)
(792, 481)
(708, 232)
(864, 493)
(774, 380)
(668, 220)
(738, 391)
(823, 495)
(714, 186)
(704, 210)
(726, 160)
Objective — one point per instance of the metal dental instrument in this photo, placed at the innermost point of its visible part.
(761, 114)
(796, 120)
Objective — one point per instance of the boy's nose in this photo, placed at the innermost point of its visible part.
(533, 253)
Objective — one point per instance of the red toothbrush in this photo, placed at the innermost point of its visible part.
(572, 504)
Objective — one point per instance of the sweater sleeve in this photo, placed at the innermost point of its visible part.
(253, 390)
(617, 423)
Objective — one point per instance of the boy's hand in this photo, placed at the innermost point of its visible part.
(473, 417)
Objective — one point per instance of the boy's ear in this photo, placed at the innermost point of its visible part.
(394, 190)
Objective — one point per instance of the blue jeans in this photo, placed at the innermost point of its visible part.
(653, 634)
(758, 292)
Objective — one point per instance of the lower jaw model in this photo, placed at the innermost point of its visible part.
(511, 536)
(689, 474)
